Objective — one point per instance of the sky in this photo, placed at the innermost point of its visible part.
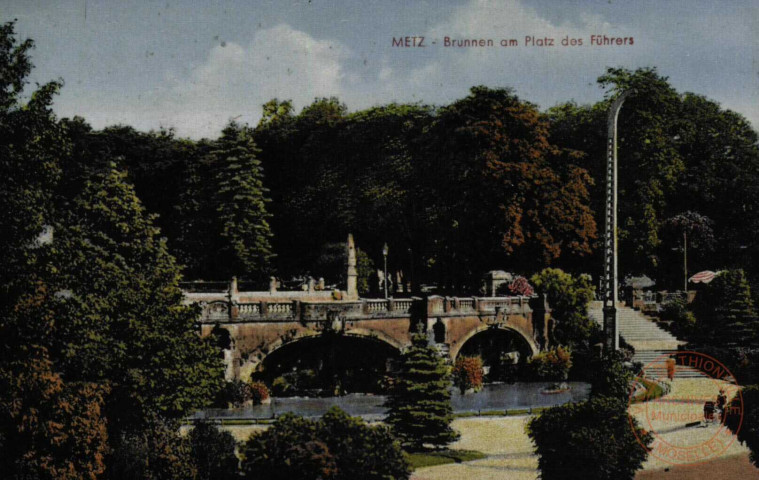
(195, 65)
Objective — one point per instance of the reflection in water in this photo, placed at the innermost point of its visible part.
(492, 397)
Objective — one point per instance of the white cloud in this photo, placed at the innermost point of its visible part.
(546, 73)
(233, 82)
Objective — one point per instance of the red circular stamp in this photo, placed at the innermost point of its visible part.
(687, 421)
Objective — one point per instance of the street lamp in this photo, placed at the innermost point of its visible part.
(685, 261)
(611, 325)
(385, 249)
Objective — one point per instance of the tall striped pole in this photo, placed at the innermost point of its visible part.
(611, 282)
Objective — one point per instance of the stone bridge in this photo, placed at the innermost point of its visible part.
(256, 324)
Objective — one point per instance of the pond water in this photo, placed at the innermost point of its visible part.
(491, 397)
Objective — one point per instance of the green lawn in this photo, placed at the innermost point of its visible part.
(432, 458)
(653, 390)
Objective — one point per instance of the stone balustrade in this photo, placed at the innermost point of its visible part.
(231, 311)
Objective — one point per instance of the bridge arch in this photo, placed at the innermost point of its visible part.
(504, 350)
(362, 333)
(526, 339)
(329, 355)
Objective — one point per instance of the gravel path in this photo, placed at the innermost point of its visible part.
(509, 449)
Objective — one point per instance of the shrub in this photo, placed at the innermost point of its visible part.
(213, 452)
(335, 447)
(258, 392)
(467, 373)
(553, 364)
(683, 320)
(589, 440)
(612, 378)
(236, 392)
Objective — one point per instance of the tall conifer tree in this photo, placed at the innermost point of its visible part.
(420, 403)
(241, 201)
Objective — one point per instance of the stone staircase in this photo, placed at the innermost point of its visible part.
(648, 339)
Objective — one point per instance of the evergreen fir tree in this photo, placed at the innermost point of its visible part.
(420, 409)
(725, 312)
(241, 204)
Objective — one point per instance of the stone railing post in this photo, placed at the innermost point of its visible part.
(296, 310)
(264, 308)
(447, 304)
(233, 295)
(476, 304)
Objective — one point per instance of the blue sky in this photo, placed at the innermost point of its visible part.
(194, 65)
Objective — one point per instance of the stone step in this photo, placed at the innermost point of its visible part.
(636, 329)
(659, 368)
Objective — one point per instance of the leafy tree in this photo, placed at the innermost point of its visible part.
(611, 378)
(649, 161)
(419, 404)
(725, 315)
(355, 174)
(468, 373)
(588, 440)
(49, 429)
(362, 451)
(121, 320)
(157, 164)
(747, 425)
(287, 449)
(336, 447)
(502, 191)
(677, 153)
(568, 296)
(720, 149)
(30, 144)
(213, 452)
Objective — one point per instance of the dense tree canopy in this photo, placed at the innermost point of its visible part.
(95, 344)
(503, 193)
(679, 154)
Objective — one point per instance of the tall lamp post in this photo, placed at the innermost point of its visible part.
(385, 249)
(611, 326)
(685, 262)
